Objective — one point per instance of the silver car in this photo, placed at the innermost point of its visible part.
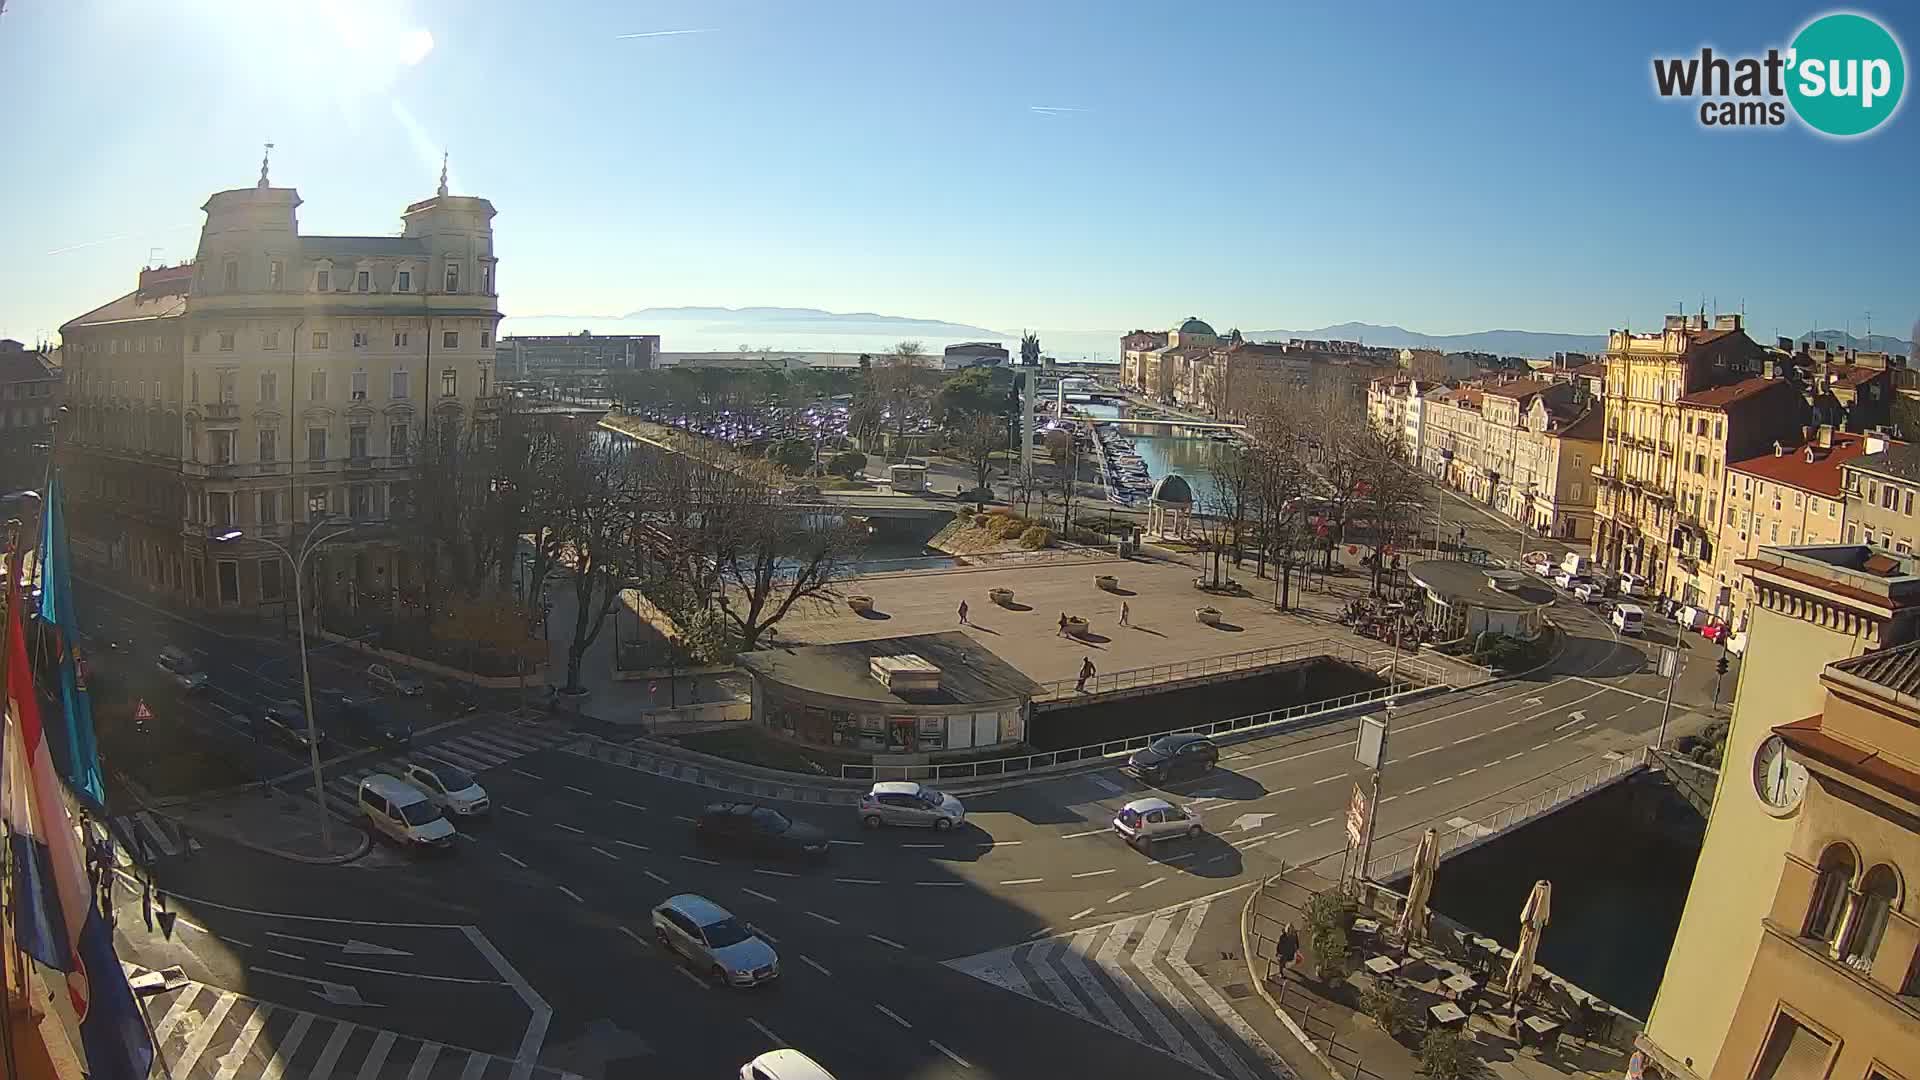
(1143, 821)
(726, 949)
(904, 802)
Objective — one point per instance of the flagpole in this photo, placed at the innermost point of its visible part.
(15, 962)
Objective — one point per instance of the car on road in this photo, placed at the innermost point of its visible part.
(1171, 756)
(904, 802)
(1143, 821)
(449, 786)
(385, 678)
(785, 1063)
(758, 830)
(1547, 570)
(365, 717)
(1589, 592)
(286, 720)
(725, 949)
(403, 812)
(180, 669)
(1629, 618)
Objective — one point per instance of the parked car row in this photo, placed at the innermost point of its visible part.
(412, 808)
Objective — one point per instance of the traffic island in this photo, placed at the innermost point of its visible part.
(271, 821)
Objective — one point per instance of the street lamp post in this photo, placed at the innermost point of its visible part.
(308, 546)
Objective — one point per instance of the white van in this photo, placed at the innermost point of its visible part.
(1633, 585)
(1576, 565)
(404, 812)
(1629, 619)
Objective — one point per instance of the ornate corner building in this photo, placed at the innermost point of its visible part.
(275, 381)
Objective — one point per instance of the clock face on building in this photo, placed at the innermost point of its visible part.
(1780, 781)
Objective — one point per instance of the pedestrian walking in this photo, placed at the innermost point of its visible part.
(963, 613)
(1126, 613)
(1063, 624)
(1086, 672)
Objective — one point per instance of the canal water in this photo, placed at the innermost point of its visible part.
(1620, 861)
(1163, 453)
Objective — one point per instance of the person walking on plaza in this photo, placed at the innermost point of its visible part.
(1125, 614)
(1063, 624)
(963, 613)
(1086, 672)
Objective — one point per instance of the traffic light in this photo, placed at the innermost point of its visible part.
(1720, 665)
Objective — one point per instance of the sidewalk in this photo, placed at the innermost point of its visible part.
(269, 820)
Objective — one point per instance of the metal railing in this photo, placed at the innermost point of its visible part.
(1192, 669)
(1029, 763)
(1453, 841)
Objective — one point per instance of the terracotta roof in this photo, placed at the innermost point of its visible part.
(130, 307)
(1597, 369)
(1792, 469)
(1720, 397)
(1850, 375)
(1897, 669)
(1867, 764)
(1520, 389)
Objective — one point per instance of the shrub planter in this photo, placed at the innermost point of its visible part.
(1106, 582)
(1207, 615)
(1002, 597)
(1076, 626)
(861, 604)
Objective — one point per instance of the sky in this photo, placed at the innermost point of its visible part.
(1071, 165)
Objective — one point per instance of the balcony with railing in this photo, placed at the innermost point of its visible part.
(220, 410)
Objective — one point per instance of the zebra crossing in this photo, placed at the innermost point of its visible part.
(475, 751)
(1132, 978)
(205, 1033)
(140, 838)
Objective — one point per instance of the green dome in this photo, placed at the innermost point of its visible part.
(1194, 325)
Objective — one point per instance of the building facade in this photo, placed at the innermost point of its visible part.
(1717, 425)
(29, 401)
(1647, 376)
(1880, 488)
(277, 381)
(575, 357)
(1813, 606)
(1793, 496)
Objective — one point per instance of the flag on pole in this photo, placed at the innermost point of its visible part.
(56, 921)
(63, 629)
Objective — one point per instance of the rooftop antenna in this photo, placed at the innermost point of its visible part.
(1868, 343)
(153, 257)
(264, 155)
(443, 172)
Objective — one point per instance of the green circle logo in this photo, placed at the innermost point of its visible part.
(1846, 74)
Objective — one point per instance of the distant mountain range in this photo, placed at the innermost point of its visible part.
(704, 329)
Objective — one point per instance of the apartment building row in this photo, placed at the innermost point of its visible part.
(1196, 368)
(1523, 447)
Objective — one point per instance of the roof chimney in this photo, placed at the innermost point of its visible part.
(1826, 436)
(1779, 450)
(1810, 455)
(1876, 442)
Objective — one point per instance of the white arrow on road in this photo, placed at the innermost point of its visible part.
(337, 993)
(1249, 822)
(1577, 715)
(1534, 701)
(352, 946)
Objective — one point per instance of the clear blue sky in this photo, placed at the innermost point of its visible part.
(1444, 167)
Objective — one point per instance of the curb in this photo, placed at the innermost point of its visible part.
(1260, 984)
(363, 844)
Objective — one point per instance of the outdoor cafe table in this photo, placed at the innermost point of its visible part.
(1460, 984)
(1447, 1014)
(1382, 965)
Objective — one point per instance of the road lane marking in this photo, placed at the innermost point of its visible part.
(1568, 735)
(701, 861)
(1470, 772)
(1282, 791)
(514, 810)
(1004, 843)
(941, 884)
(513, 860)
(951, 1056)
(628, 805)
(893, 1016)
(288, 955)
(1504, 727)
(1040, 933)
(1297, 757)
(655, 876)
(758, 894)
(528, 775)
(1319, 823)
(1024, 881)
(1078, 835)
(773, 873)
(683, 817)
(1078, 915)
(1469, 738)
(580, 790)
(762, 1029)
(634, 846)
(1570, 723)
(1423, 753)
(1284, 835)
(691, 977)
(416, 974)
(1415, 791)
(815, 965)
(1117, 897)
(857, 880)
(888, 942)
(847, 843)
(1542, 746)
(828, 919)
(1442, 780)
(1510, 757)
(923, 845)
(1096, 873)
(637, 939)
(1155, 881)
(1591, 726)
(1388, 799)
(1331, 779)
(607, 853)
(569, 828)
(570, 892)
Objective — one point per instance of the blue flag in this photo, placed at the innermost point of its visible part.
(57, 619)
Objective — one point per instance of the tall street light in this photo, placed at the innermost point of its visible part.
(298, 561)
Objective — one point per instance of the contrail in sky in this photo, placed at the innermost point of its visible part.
(123, 236)
(661, 33)
(1055, 110)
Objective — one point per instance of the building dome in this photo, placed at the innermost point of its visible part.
(1194, 325)
(1172, 489)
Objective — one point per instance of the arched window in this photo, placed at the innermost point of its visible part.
(1830, 893)
(1879, 889)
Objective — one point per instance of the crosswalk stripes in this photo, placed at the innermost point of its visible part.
(143, 836)
(206, 1033)
(475, 751)
(1132, 978)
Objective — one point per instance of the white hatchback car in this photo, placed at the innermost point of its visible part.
(449, 786)
(785, 1063)
(1143, 821)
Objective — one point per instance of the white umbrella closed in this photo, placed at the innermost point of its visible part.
(1426, 863)
(1533, 921)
